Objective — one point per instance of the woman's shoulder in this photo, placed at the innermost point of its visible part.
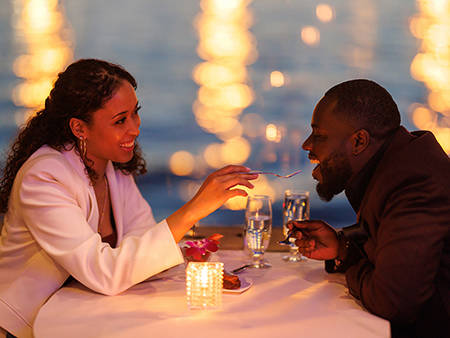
(52, 161)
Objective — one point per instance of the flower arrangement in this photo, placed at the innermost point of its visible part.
(199, 251)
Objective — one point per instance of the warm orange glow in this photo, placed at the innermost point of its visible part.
(235, 132)
(40, 26)
(262, 187)
(212, 74)
(273, 133)
(431, 65)
(276, 79)
(310, 35)
(424, 118)
(235, 151)
(233, 96)
(182, 163)
(213, 156)
(227, 46)
(324, 12)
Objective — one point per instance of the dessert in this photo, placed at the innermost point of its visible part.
(231, 282)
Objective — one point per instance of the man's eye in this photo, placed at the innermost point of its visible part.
(319, 137)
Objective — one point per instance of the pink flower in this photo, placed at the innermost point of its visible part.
(201, 249)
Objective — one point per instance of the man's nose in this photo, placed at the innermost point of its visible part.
(307, 144)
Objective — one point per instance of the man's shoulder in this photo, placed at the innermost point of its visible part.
(417, 150)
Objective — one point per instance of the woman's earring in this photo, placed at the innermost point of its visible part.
(82, 147)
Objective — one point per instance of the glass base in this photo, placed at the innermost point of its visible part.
(261, 265)
(294, 258)
(294, 255)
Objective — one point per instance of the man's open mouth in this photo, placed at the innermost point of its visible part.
(316, 171)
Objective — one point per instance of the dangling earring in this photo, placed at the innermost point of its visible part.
(82, 147)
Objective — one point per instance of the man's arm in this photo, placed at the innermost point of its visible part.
(406, 253)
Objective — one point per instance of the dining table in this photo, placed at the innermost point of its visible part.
(288, 299)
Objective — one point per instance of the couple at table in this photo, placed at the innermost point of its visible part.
(72, 207)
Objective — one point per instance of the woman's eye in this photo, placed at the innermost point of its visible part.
(137, 110)
(121, 121)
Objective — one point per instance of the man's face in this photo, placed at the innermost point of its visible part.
(329, 147)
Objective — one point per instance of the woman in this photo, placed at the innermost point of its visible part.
(72, 206)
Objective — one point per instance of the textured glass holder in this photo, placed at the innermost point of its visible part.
(204, 282)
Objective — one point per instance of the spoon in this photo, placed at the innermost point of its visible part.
(242, 268)
(260, 172)
(290, 237)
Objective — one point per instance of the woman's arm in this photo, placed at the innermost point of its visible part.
(213, 193)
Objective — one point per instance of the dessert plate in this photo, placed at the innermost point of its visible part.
(246, 283)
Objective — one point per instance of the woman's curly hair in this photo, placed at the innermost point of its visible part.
(84, 87)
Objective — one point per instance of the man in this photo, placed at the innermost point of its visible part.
(397, 257)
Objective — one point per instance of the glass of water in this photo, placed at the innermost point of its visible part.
(295, 208)
(258, 228)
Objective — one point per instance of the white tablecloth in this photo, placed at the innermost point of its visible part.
(288, 299)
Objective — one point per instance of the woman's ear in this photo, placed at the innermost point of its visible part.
(78, 127)
(360, 141)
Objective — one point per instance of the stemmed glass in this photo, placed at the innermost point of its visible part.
(258, 228)
(295, 208)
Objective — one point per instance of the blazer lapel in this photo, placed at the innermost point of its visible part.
(116, 204)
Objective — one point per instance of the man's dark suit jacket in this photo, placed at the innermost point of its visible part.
(404, 272)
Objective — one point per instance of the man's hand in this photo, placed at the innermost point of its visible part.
(315, 239)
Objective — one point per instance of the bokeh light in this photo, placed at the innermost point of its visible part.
(431, 66)
(310, 35)
(182, 163)
(276, 79)
(324, 12)
(40, 26)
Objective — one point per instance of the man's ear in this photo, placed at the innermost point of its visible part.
(360, 141)
(78, 127)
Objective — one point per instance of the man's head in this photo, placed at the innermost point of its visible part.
(349, 124)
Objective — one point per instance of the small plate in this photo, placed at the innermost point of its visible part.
(246, 283)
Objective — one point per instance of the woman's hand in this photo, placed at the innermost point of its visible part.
(315, 239)
(213, 193)
(216, 189)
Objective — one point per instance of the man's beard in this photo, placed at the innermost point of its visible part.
(335, 171)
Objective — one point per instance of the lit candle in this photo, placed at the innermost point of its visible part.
(204, 282)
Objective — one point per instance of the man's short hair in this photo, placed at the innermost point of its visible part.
(365, 104)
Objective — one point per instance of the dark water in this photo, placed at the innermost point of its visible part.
(157, 42)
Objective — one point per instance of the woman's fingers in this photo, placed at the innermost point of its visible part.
(231, 169)
(234, 182)
(236, 192)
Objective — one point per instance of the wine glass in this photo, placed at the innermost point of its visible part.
(258, 228)
(295, 208)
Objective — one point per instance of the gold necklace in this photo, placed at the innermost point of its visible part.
(105, 195)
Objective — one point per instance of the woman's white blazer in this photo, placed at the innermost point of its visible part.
(50, 233)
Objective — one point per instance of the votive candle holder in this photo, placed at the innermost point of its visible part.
(204, 281)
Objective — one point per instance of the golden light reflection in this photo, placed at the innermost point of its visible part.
(227, 47)
(431, 66)
(233, 151)
(182, 163)
(310, 35)
(262, 187)
(273, 133)
(276, 79)
(40, 25)
(363, 23)
(324, 12)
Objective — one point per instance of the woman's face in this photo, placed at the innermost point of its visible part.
(113, 129)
